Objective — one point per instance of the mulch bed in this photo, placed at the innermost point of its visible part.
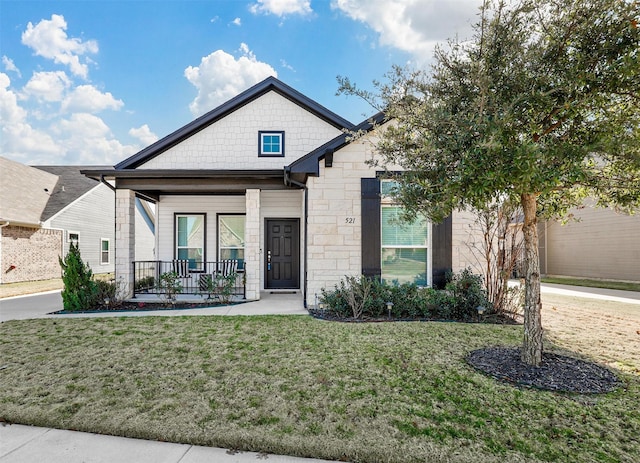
(332, 316)
(556, 373)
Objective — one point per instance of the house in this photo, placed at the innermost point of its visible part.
(272, 181)
(600, 244)
(46, 208)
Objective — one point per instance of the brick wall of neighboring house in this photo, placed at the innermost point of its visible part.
(32, 252)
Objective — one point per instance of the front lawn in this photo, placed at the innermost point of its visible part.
(397, 392)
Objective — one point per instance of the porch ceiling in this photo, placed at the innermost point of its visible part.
(153, 183)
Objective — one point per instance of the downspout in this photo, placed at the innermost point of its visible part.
(103, 181)
(288, 181)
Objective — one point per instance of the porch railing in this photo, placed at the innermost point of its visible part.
(194, 277)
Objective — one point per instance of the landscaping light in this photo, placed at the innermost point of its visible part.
(321, 306)
(389, 307)
(480, 310)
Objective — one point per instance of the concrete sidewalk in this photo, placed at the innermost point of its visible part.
(617, 295)
(29, 444)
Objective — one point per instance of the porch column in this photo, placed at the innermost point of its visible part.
(125, 240)
(252, 244)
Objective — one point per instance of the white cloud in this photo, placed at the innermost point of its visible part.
(220, 77)
(88, 140)
(144, 134)
(88, 98)
(19, 140)
(414, 26)
(282, 7)
(237, 22)
(49, 40)
(286, 65)
(9, 65)
(47, 86)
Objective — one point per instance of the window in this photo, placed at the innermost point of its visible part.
(231, 238)
(73, 237)
(405, 246)
(190, 239)
(271, 144)
(104, 251)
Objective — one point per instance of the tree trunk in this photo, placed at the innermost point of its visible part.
(532, 342)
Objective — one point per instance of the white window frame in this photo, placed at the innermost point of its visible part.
(266, 133)
(108, 251)
(76, 240)
(387, 201)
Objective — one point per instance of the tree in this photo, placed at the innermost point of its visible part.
(540, 107)
(80, 291)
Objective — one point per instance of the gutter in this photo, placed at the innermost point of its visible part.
(288, 181)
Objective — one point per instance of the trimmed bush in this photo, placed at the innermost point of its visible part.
(362, 298)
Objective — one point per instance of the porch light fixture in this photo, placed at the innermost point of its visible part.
(389, 307)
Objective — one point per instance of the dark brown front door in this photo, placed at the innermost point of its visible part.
(282, 256)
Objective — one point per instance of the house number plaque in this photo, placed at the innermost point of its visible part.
(350, 220)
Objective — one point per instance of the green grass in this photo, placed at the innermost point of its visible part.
(381, 392)
(607, 284)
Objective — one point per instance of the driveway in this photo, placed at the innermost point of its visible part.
(31, 306)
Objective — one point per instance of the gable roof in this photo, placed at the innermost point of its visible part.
(24, 192)
(70, 186)
(309, 164)
(237, 102)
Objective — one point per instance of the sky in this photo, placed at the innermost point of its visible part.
(93, 82)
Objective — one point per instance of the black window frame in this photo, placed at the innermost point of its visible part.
(261, 153)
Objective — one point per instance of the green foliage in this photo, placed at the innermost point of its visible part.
(221, 287)
(108, 293)
(145, 283)
(362, 298)
(467, 294)
(170, 285)
(80, 291)
(543, 100)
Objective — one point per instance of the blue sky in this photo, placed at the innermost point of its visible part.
(93, 82)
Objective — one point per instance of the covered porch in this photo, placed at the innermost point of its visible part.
(217, 223)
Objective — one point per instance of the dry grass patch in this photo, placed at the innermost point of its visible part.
(606, 331)
(397, 392)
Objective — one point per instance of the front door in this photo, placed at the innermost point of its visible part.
(282, 256)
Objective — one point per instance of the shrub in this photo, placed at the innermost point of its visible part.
(109, 293)
(221, 287)
(170, 286)
(361, 297)
(80, 291)
(145, 283)
(467, 294)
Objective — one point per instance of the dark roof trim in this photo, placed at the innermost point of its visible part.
(267, 85)
(309, 164)
(185, 173)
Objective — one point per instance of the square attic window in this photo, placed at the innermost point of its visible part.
(271, 144)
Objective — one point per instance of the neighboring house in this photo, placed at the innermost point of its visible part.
(28, 251)
(600, 244)
(271, 181)
(45, 208)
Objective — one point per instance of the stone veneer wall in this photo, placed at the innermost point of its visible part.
(125, 251)
(334, 221)
(33, 251)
